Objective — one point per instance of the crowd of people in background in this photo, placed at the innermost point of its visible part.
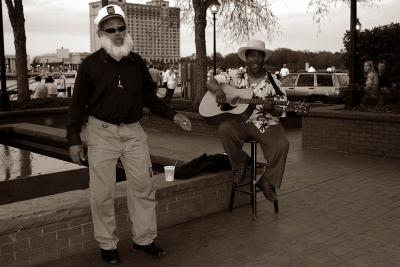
(376, 88)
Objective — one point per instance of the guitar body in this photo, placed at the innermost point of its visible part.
(214, 114)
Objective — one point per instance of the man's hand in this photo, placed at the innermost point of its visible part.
(268, 104)
(77, 154)
(220, 96)
(182, 121)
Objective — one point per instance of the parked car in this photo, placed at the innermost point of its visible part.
(315, 87)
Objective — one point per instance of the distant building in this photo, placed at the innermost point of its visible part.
(62, 57)
(10, 63)
(154, 27)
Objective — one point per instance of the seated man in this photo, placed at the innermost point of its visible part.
(262, 125)
(52, 90)
(40, 91)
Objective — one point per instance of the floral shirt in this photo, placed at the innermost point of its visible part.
(262, 90)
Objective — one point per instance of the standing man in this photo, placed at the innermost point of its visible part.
(284, 71)
(263, 123)
(386, 94)
(112, 86)
(155, 75)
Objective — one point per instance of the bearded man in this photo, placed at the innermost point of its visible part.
(112, 86)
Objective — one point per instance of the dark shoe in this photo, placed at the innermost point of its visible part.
(110, 256)
(269, 192)
(151, 249)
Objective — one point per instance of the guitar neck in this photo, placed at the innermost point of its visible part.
(262, 101)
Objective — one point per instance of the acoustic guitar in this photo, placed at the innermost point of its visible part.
(239, 105)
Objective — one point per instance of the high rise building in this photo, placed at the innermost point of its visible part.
(154, 27)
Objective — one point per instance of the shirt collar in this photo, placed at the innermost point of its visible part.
(104, 56)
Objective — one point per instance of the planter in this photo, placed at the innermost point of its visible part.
(334, 128)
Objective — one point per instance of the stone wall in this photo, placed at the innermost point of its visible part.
(199, 125)
(334, 128)
(52, 227)
(55, 117)
(61, 224)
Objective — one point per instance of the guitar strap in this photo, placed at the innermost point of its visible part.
(278, 91)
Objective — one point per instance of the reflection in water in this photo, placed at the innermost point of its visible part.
(17, 163)
(25, 163)
(6, 162)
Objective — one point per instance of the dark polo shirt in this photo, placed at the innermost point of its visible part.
(112, 91)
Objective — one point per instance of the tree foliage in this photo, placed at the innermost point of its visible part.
(242, 18)
(320, 8)
(378, 43)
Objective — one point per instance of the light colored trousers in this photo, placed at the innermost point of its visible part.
(106, 144)
(273, 142)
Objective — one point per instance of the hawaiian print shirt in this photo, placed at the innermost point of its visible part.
(262, 89)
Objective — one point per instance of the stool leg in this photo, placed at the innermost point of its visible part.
(253, 179)
(233, 191)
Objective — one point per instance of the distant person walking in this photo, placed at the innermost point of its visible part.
(171, 85)
(284, 71)
(155, 75)
(112, 87)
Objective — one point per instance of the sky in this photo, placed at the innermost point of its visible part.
(52, 24)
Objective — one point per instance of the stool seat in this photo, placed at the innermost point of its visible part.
(253, 181)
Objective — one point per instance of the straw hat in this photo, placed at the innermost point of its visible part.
(254, 45)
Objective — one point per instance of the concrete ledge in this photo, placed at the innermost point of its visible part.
(52, 227)
(338, 111)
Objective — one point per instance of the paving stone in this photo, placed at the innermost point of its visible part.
(337, 209)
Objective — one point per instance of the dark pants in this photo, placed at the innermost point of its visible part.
(169, 93)
(273, 142)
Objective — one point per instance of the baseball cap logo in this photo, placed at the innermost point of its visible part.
(110, 10)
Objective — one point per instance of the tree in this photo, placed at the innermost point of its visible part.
(232, 60)
(378, 43)
(16, 14)
(242, 18)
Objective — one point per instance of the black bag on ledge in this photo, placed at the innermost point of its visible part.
(204, 163)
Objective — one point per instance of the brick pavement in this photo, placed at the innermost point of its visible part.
(336, 209)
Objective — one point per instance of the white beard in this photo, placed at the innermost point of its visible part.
(117, 52)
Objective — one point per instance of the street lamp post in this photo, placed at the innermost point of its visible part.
(353, 93)
(214, 8)
(4, 97)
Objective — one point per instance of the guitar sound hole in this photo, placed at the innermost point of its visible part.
(226, 107)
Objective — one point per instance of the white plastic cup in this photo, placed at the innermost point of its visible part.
(169, 173)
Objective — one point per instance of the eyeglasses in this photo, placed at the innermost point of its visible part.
(113, 30)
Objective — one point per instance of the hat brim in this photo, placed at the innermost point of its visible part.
(242, 52)
(111, 16)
